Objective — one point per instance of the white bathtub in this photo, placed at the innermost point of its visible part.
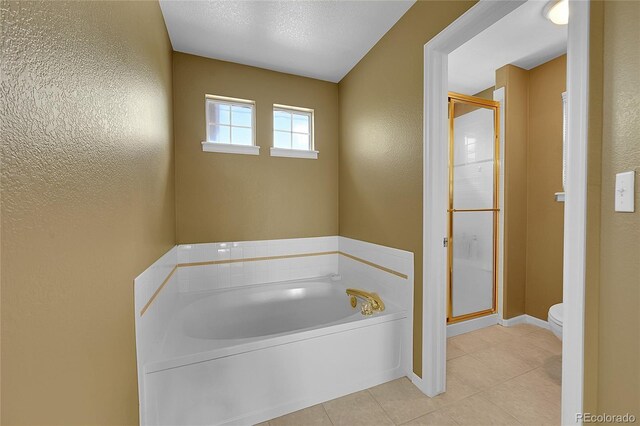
(242, 356)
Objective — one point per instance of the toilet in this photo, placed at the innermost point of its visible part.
(555, 320)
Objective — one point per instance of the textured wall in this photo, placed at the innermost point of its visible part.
(516, 83)
(87, 202)
(594, 177)
(381, 141)
(545, 216)
(619, 310)
(231, 197)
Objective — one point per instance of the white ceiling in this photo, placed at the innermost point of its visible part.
(524, 38)
(319, 39)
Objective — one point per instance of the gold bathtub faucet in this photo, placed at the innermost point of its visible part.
(373, 302)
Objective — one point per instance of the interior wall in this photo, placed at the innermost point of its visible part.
(380, 161)
(619, 301)
(515, 80)
(534, 228)
(234, 197)
(545, 216)
(87, 202)
(594, 178)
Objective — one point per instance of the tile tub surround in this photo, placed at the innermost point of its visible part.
(213, 266)
(526, 392)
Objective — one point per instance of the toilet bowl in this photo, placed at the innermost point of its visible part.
(555, 320)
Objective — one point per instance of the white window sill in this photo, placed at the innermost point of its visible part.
(294, 153)
(230, 149)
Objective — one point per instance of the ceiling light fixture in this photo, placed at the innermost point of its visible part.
(557, 11)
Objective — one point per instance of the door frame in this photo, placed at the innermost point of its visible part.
(435, 197)
(454, 98)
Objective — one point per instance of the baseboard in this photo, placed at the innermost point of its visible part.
(471, 325)
(524, 319)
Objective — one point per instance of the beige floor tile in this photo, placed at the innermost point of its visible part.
(552, 368)
(532, 398)
(477, 410)
(475, 373)
(457, 389)
(502, 359)
(309, 416)
(263, 424)
(545, 340)
(469, 342)
(495, 334)
(533, 355)
(359, 408)
(453, 350)
(522, 329)
(436, 418)
(402, 401)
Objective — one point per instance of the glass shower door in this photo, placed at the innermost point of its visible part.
(473, 206)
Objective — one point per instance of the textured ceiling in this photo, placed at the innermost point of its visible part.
(524, 38)
(319, 39)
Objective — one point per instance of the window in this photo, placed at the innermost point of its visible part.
(230, 125)
(293, 132)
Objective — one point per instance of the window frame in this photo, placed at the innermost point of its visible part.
(230, 148)
(310, 153)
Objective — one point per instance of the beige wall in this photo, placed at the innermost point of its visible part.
(545, 216)
(87, 202)
(381, 141)
(516, 83)
(231, 197)
(619, 287)
(533, 174)
(594, 160)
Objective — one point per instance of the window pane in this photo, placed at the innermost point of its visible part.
(281, 121)
(219, 113)
(301, 123)
(241, 116)
(282, 139)
(241, 136)
(301, 141)
(219, 134)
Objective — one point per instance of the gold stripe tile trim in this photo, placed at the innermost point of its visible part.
(375, 265)
(155, 294)
(255, 259)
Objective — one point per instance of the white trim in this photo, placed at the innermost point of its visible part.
(520, 319)
(575, 212)
(537, 322)
(525, 319)
(294, 153)
(481, 16)
(224, 100)
(472, 325)
(230, 149)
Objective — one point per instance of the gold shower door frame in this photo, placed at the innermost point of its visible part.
(457, 98)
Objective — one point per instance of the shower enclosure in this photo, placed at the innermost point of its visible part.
(473, 206)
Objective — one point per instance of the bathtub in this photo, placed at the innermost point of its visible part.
(248, 354)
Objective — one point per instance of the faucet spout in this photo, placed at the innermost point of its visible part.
(373, 299)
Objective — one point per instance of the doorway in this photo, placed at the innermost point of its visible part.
(435, 198)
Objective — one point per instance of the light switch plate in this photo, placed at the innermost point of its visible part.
(625, 192)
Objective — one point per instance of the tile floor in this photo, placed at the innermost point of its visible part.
(495, 376)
